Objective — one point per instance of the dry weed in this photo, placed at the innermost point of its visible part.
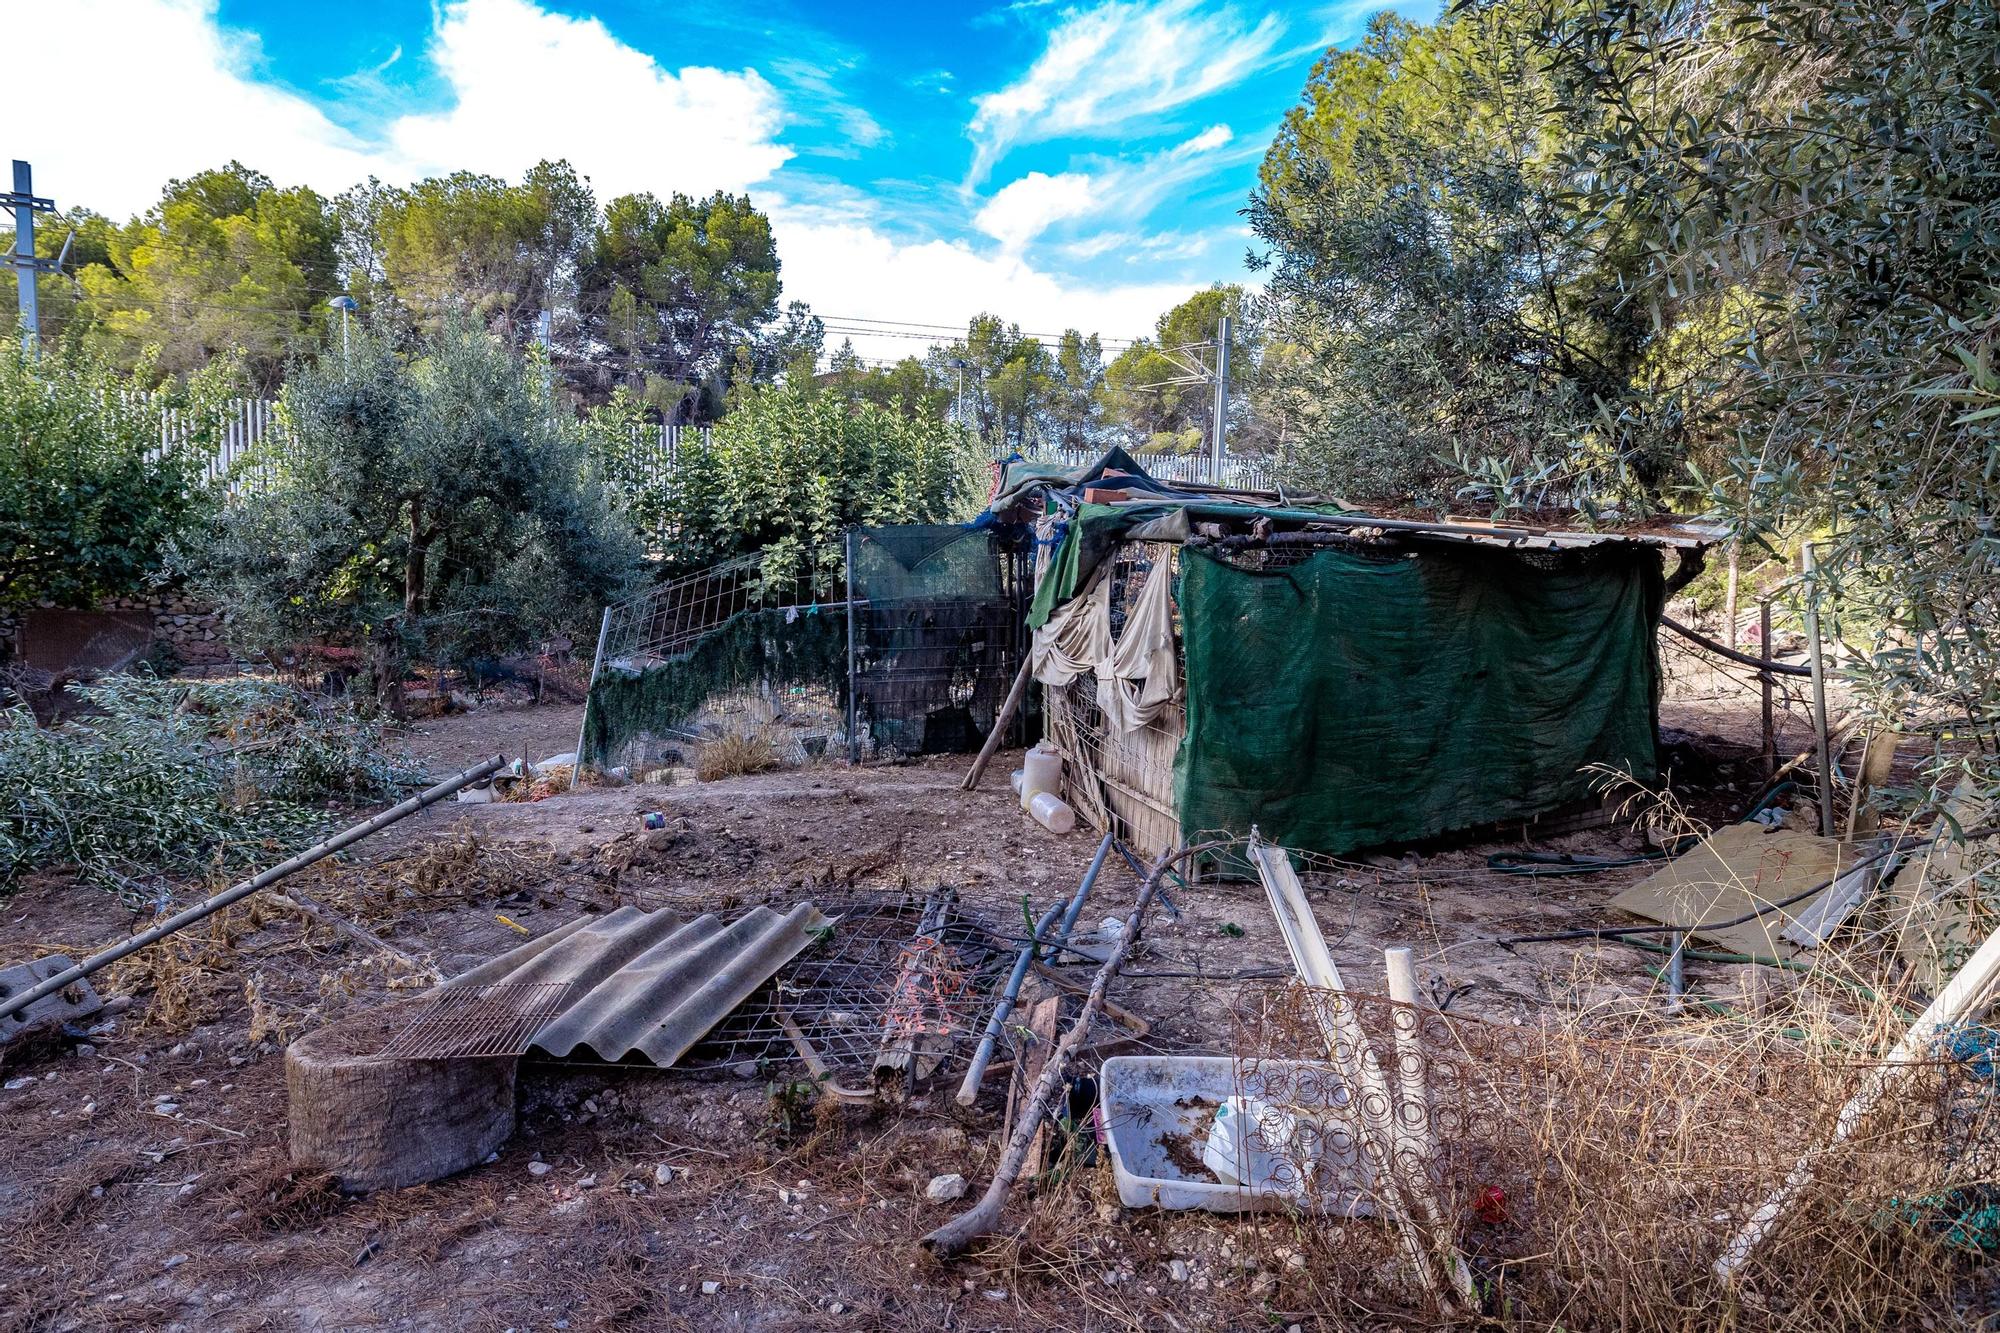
(182, 973)
(1594, 1166)
(736, 753)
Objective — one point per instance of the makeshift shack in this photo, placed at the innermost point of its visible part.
(1217, 659)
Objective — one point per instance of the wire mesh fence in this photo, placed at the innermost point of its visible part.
(938, 634)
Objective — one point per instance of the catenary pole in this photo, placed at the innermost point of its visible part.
(25, 205)
(1221, 396)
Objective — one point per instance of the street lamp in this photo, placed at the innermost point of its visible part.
(346, 305)
(958, 363)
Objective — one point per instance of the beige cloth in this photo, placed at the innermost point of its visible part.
(1139, 675)
(1076, 636)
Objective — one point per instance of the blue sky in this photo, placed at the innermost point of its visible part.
(1062, 165)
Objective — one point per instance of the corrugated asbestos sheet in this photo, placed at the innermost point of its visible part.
(649, 984)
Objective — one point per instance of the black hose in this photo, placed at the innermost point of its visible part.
(1722, 650)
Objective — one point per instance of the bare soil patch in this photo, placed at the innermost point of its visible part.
(144, 1180)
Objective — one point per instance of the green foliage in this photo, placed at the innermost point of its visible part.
(754, 650)
(790, 469)
(89, 497)
(1433, 301)
(226, 264)
(913, 386)
(182, 778)
(1828, 170)
(467, 245)
(680, 289)
(1141, 395)
(435, 505)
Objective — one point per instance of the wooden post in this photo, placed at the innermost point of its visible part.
(1769, 686)
(1729, 602)
(1818, 660)
(1000, 721)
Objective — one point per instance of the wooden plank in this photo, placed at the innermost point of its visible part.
(1037, 1040)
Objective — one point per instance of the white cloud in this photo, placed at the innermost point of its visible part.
(529, 84)
(164, 92)
(171, 92)
(1026, 207)
(1117, 63)
(1031, 205)
(1215, 136)
(849, 268)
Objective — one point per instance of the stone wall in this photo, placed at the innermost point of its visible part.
(191, 630)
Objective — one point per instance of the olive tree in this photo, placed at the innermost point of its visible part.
(433, 505)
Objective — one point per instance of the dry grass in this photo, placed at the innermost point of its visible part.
(735, 754)
(1593, 1177)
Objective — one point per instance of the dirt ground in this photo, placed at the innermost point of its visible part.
(145, 1180)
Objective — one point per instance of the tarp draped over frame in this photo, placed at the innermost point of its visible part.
(1096, 530)
(1353, 700)
(1076, 638)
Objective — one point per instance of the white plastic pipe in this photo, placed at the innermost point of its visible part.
(1967, 993)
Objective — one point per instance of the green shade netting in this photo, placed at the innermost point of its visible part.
(1353, 701)
(775, 648)
(1095, 530)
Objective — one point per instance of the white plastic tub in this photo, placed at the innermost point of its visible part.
(1147, 1102)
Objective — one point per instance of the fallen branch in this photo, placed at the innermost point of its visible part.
(306, 907)
(984, 1216)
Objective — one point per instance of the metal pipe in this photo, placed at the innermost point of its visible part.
(968, 1091)
(1089, 878)
(1677, 973)
(1173, 912)
(853, 704)
(583, 723)
(1221, 411)
(180, 920)
(1822, 746)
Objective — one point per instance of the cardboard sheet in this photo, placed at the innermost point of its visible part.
(1735, 870)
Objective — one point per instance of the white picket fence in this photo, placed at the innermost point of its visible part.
(249, 422)
(1166, 467)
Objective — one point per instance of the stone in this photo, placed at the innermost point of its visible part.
(587, 1183)
(710, 1288)
(1177, 1269)
(943, 1189)
(539, 1168)
(663, 1174)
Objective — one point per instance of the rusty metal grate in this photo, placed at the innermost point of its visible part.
(501, 1019)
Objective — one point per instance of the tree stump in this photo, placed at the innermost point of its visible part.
(379, 1122)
